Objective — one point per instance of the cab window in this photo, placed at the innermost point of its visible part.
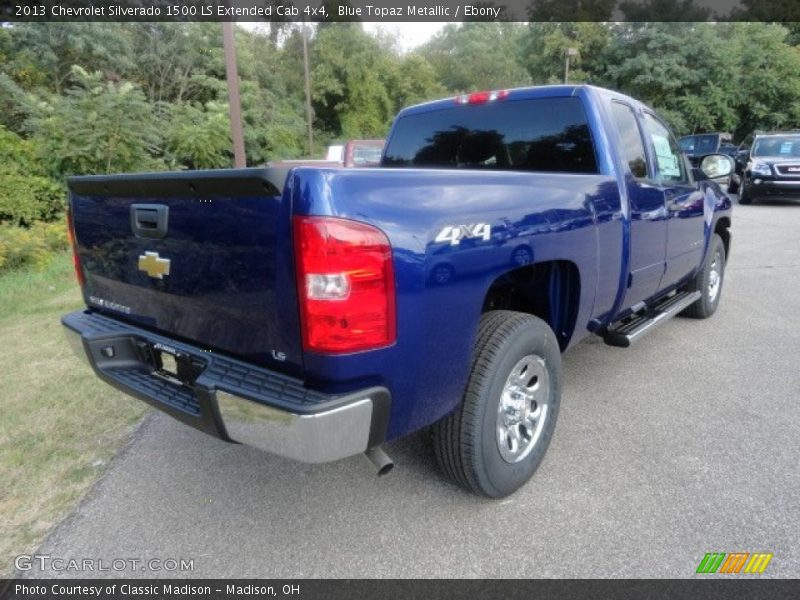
(630, 138)
(538, 134)
(669, 166)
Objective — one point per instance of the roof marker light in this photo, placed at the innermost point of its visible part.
(481, 97)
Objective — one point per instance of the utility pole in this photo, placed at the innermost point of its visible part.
(308, 92)
(567, 54)
(234, 103)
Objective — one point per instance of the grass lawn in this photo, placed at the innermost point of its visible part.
(59, 425)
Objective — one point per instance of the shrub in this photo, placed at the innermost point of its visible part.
(26, 193)
(28, 198)
(31, 246)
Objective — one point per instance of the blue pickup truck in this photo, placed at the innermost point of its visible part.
(317, 313)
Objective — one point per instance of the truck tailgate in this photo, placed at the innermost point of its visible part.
(202, 256)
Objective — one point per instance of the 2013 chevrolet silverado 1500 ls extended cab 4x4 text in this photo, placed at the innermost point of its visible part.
(317, 313)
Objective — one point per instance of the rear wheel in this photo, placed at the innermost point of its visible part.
(708, 281)
(496, 439)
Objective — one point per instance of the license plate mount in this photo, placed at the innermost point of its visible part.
(169, 364)
(174, 365)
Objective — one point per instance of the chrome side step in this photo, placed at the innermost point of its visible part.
(627, 333)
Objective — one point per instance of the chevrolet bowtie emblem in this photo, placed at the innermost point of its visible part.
(152, 264)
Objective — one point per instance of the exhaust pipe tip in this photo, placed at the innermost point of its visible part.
(380, 460)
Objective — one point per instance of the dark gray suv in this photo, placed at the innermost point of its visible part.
(773, 168)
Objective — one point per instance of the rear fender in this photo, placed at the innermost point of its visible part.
(453, 234)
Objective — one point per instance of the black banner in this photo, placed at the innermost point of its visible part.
(399, 10)
(434, 589)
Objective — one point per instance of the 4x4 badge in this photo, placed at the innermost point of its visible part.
(152, 264)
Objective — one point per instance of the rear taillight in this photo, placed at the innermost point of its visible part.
(482, 97)
(76, 261)
(345, 281)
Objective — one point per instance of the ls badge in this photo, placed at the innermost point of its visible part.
(152, 264)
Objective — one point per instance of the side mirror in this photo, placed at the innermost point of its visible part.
(716, 166)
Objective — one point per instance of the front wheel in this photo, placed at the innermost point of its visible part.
(496, 439)
(708, 281)
(744, 198)
(734, 185)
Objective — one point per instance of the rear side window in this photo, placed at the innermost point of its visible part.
(706, 144)
(545, 134)
(699, 144)
(631, 139)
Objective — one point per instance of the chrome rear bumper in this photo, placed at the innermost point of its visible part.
(312, 438)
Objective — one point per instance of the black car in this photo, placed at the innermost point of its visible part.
(743, 151)
(702, 144)
(773, 168)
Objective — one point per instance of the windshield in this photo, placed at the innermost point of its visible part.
(367, 155)
(699, 144)
(544, 134)
(779, 145)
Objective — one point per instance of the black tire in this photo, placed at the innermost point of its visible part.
(744, 198)
(466, 442)
(708, 302)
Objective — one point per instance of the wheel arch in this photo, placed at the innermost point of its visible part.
(722, 229)
(550, 290)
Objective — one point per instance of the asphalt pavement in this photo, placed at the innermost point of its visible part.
(687, 443)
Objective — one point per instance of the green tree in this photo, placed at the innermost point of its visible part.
(198, 137)
(97, 98)
(273, 95)
(174, 60)
(767, 72)
(475, 56)
(273, 125)
(281, 25)
(287, 67)
(547, 44)
(97, 127)
(14, 104)
(686, 71)
(348, 78)
(46, 52)
(413, 80)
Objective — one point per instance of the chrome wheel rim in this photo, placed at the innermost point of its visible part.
(523, 407)
(715, 277)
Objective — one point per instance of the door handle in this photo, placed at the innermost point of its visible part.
(149, 220)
